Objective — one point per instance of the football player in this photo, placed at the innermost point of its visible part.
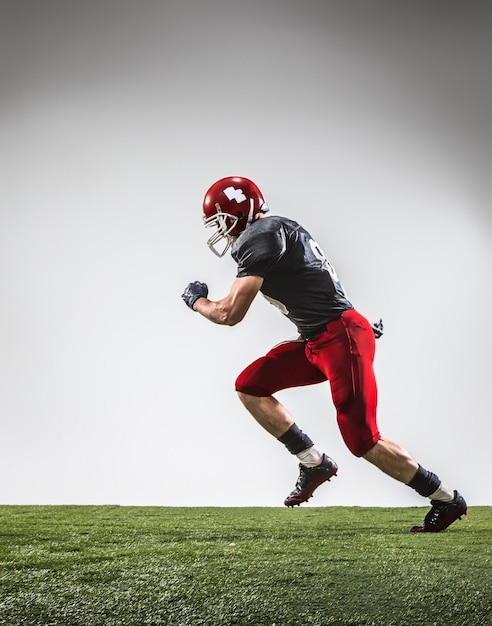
(279, 258)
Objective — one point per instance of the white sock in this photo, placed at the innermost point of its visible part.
(443, 494)
(310, 457)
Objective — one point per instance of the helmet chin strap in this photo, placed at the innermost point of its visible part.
(251, 210)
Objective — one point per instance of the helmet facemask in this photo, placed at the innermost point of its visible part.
(224, 223)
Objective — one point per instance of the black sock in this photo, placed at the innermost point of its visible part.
(295, 440)
(424, 482)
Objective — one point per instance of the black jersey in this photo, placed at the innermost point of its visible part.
(298, 278)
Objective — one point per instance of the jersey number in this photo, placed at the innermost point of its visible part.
(325, 264)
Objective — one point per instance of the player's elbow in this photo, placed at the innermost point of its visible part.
(231, 313)
(231, 317)
(234, 319)
(226, 316)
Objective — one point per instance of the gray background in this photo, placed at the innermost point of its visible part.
(369, 122)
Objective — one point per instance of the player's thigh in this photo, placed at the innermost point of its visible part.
(344, 353)
(284, 366)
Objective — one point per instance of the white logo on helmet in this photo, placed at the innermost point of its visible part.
(235, 194)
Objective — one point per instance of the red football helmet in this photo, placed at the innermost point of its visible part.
(230, 206)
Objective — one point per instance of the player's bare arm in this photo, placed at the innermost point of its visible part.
(230, 310)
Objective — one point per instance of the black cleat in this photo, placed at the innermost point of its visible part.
(442, 515)
(309, 479)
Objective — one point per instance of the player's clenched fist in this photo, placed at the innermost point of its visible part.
(194, 291)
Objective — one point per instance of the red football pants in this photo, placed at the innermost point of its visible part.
(343, 354)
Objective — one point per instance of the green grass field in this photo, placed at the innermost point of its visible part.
(108, 566)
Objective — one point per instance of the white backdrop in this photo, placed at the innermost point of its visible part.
(369, 122)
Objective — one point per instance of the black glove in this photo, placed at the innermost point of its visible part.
(378, 329)
(193, 292)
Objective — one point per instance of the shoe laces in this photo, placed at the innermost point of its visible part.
(438, 507)
(303, 473)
